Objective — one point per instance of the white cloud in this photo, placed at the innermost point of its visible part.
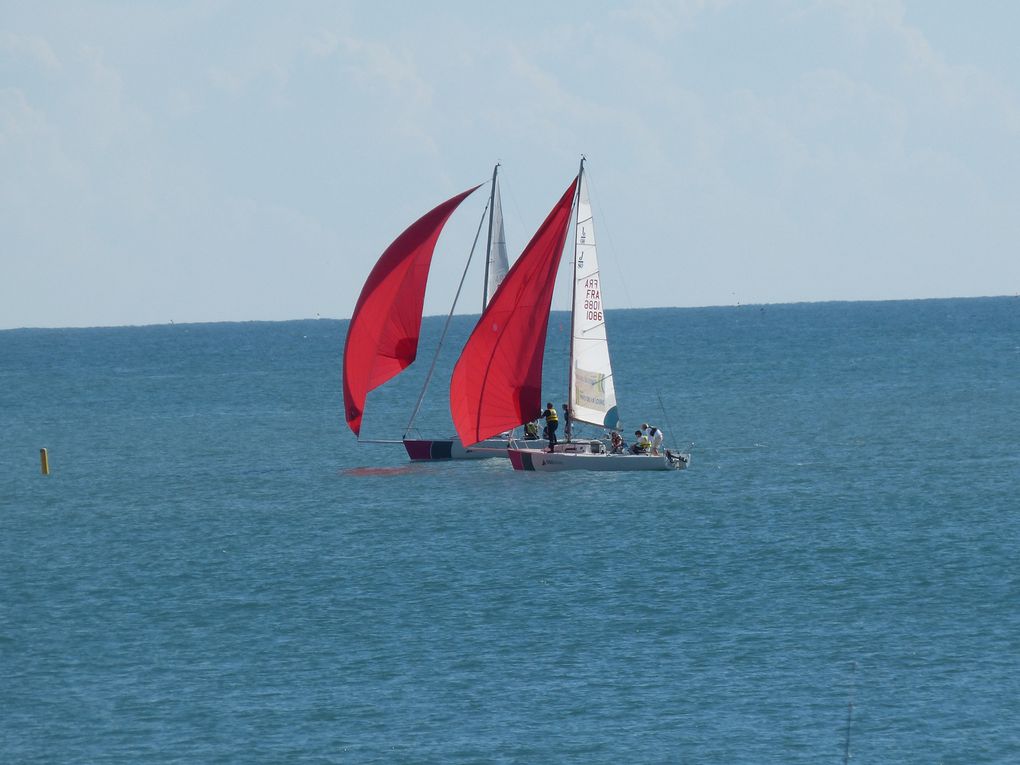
(31, 48)
(960, 87)
(228, 81)
(666, 18)
(374, 64)
(17, 117)
(322, 44)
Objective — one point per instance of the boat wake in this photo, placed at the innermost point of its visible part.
(376, 471)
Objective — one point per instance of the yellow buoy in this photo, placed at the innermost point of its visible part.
(44, 458)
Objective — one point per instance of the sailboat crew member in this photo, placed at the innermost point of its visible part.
(641, 444)
(552, 421)
(568, 429)
(656, 436)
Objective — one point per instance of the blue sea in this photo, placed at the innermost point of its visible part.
(216, 571)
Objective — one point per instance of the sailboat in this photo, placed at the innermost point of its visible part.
(497, 381)
(383, 336)
(497, 265)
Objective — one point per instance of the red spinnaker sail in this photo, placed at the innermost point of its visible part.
(497, 382)
(382, 339)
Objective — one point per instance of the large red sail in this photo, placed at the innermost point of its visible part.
(497, 382)
(382, 339)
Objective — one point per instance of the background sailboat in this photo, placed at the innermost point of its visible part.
(497, 265)
(383, 336)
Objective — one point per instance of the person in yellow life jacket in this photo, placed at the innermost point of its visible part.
(641, 443)
(552, 421)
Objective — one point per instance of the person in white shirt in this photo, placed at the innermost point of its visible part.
(655, 435)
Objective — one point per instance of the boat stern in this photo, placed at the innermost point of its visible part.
(426, 451)
(521, 459)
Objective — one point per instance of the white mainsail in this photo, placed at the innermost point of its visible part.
(593, 396)
(498, 263)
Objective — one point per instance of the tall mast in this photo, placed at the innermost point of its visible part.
(573, 294)
(488, 243)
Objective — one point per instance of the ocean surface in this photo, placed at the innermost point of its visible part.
(216, 571)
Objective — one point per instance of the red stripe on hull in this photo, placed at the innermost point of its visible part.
(418, 451)
(520, 460)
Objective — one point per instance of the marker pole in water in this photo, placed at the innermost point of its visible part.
(44, 461)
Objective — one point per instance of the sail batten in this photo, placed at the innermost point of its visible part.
(497, 381)
(382, 338)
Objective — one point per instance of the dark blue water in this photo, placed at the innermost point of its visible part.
(216, 572)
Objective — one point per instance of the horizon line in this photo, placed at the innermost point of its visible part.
(172, 322)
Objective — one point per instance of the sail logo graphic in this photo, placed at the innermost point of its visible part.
(590, 389)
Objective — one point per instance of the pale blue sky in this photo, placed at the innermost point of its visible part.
(208, 161)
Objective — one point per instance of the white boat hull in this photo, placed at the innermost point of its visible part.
(543, 461)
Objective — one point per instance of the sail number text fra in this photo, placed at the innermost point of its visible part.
(592, 300)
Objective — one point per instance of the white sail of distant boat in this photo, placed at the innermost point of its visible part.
(496, 261)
